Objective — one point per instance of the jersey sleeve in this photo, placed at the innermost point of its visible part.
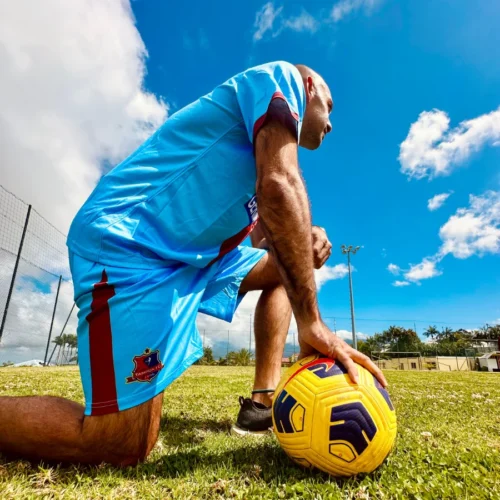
(274, 91)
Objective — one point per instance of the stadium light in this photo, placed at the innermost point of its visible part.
(350, 250)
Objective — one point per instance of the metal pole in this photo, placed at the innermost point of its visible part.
(52, 322)
(14, 273)
(335, 326)
(62, 331)
(354, 341)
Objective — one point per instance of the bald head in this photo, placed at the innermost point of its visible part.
(306, 71)
(319, 104)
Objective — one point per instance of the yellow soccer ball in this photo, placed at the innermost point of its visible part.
(324, 420)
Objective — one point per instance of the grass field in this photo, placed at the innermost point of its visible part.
(196, 457)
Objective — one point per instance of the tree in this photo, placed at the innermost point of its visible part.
(7, 363)
(59, 342)
(243, 357)
(402, 339)
(207, 358)
(488, 332)
(431, 331)
(72, 342)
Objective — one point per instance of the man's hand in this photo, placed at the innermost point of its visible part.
(320, 339)
(322, 248)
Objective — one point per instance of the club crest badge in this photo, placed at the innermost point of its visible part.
(147, 366)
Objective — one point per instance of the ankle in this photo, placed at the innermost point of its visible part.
(264, 396)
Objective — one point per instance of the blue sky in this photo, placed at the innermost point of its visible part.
(386, 62)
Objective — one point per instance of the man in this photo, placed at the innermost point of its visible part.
(157, 242)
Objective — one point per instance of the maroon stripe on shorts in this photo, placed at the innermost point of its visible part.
(102, 366)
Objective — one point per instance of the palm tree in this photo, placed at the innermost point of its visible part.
(243, 357)
(431, 331)
(71, 341)
(58, 341)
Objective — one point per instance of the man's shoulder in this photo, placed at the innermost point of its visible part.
(273, 67)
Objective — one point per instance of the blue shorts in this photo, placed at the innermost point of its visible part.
(137, 327)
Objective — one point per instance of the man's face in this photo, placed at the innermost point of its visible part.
(316, 123)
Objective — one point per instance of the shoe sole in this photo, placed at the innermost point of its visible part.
(238, 431)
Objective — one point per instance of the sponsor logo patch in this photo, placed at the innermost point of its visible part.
(251, 208)
(146, 366)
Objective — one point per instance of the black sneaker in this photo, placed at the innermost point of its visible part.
(254, 418)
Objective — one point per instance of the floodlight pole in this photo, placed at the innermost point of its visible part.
(348, 250)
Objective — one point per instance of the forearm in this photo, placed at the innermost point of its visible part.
(286, 222)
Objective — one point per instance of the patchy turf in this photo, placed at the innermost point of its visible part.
(197, 458)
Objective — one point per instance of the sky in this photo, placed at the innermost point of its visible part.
(410, 172)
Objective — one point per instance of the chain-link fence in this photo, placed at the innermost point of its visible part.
(36, 292)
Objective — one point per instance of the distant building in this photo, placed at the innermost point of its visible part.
(491, 361)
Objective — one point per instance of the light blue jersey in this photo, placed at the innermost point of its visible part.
(156, 242)
(188, 193)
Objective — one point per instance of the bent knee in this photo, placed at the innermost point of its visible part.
(127, 437)
(132, 452)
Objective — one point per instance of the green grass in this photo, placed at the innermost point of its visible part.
(197, 458)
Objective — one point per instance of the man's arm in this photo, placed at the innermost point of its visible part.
(285, 217)
(286, 223)
(322, 248)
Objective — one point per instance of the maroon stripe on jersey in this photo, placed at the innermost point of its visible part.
(234, 241)
(102, 367)
(260, 122)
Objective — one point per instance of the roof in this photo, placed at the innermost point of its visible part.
(495, 354)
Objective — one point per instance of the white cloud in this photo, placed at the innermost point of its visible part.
(437, 201)
(264, 20)
(327, 273)
(345, 7)
(401, 283)
(304, 22)
(425, 270)
(474, 230)
(71, 97)
(394, 269)
(347, 335)
(431, 149)
(271, 19)
(30, 312)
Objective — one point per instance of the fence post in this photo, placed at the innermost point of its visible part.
(52, 322)
(62, 331)
(14, 273)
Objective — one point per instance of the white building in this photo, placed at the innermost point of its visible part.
(490, 361)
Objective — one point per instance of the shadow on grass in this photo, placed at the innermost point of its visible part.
(177, 430)
(251, 459)
(257, 461)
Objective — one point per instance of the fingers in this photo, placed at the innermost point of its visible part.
(322, 251)
(349, 364)
(366, 362)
